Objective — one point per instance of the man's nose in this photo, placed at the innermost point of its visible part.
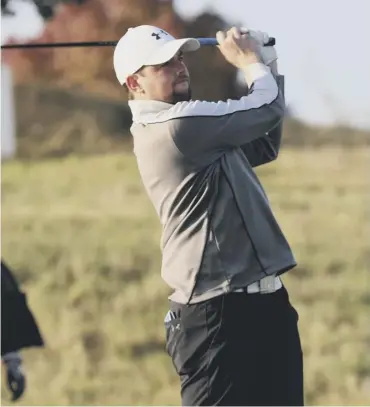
(180, 67)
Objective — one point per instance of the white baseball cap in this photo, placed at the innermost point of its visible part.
(147, 45)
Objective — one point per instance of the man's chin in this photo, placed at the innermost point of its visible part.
(184, 96)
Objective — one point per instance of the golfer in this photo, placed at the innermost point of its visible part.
(231, 331)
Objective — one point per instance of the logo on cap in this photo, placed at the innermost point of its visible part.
(158, 35)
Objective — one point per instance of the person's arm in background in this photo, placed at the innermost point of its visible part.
(266, 149)
(18, 330)
(16, 378)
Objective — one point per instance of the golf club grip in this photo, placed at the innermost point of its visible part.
(203, 41)
(213, 41)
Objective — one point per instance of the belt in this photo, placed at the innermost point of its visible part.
(266, 285)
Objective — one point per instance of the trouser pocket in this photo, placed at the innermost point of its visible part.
(172, 335)
(190, 332)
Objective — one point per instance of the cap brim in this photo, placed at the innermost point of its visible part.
(171, 48)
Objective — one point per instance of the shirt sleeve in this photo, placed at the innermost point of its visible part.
(265, 149)
(203, 127)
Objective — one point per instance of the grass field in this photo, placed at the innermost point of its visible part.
(84, 241)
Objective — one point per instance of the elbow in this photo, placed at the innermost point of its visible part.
(273, 153)
(266, 158)
(270, 152)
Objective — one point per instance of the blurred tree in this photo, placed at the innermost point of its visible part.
(91, 69)
(45, 8)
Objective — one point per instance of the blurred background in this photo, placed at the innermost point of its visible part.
(83, 238)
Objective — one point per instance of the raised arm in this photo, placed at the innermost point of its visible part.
(265, 149)
(204, 128)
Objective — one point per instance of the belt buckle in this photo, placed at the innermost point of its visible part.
(267, 284)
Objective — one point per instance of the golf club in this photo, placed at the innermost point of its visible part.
(203, 41)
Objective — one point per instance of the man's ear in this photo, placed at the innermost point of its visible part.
(133, 85)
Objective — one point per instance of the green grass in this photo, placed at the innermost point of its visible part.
(84, 240)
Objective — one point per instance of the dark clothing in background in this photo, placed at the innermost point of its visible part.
(18, 326)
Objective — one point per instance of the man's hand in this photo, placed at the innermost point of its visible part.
(15, 376)
(239, 49)
(268, 54)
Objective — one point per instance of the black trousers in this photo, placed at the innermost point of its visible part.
(237, 349)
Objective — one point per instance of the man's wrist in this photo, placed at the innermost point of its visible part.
(255, 71)
(250, 59)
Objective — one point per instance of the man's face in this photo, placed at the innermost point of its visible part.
(168, 82)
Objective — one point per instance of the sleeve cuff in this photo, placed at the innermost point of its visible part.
(255, 71)
(12, 356)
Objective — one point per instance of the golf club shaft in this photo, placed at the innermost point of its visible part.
(203, 41)
(213, 41)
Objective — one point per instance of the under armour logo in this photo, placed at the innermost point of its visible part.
(175, 327)
(158, 35)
